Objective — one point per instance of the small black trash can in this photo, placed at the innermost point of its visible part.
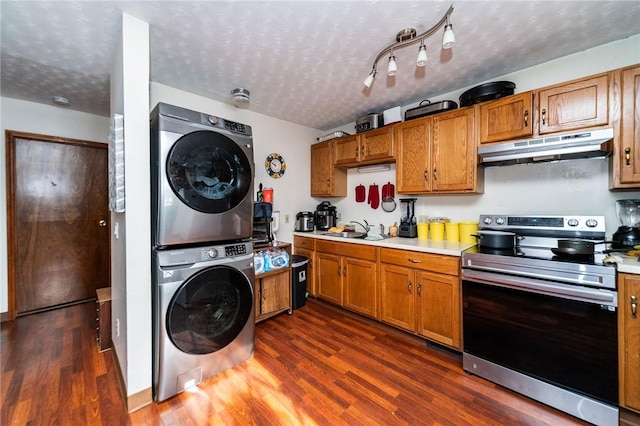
(299, 280)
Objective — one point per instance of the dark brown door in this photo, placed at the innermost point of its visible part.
(58, 204)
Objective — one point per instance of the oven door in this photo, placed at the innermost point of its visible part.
(565, 335)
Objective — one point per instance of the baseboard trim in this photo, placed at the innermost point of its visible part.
(135, 401)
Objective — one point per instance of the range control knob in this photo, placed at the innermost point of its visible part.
(572, 222)
(591, 223)
(487, 221)
(212, 253)
(500, 220)
(212, 119)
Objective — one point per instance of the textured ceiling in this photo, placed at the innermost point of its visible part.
(303, 61)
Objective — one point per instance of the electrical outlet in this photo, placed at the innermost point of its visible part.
(286, 218)
(117, 327)
(338, 216)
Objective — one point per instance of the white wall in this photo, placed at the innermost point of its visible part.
(575, 187)
(45, 120)
(131, 233)
(292, 141)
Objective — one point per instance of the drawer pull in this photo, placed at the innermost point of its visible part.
(415, 260)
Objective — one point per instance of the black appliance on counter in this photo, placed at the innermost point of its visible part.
(325, 216)
(540, 323)
(628, 234)
(304, 222)
(408, 226)
(262, 222)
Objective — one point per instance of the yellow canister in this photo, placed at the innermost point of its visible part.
(437, 231)
(423, 231)
(452, 230)
(467, 232)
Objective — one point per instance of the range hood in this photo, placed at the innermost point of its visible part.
(586, 144)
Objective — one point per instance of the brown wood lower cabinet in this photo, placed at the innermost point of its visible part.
(629, 340)
(272, 290)
(346, 274)
(420, 293)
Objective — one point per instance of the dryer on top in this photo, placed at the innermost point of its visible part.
(201, 177)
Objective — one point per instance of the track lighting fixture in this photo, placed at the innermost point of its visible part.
(408, 36)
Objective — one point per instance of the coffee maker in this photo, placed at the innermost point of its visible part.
(408, 226)
(628, 234)
(325, 216)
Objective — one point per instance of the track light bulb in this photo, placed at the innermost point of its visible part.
(392, 69)
(369, 80)
(422, 56)
(449, 39)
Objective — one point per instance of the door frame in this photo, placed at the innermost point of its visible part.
(12, 242)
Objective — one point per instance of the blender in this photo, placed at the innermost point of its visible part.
(408, 226)
(628, 234)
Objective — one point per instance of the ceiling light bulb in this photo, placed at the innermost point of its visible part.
(392, 69)
(449, 39)
(369, 80)
(422, 56)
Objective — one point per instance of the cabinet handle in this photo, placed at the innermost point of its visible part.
(526, 118)
(634, 306)
(435, 176)
(627, 155)
(544, 116)
(363, 151)
(419, 288)
(339, 271)
(344, 271)
(426, 175)
(414, 260)
(357, 151)
(409, 286)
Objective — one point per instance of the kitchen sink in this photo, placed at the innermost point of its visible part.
(346, 234)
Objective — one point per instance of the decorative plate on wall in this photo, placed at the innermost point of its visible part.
(275, 165)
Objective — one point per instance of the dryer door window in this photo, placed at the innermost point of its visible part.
(209, 172)
(209, 310)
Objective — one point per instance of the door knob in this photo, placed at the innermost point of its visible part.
(102, 223)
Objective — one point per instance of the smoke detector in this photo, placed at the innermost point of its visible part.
(240, 98)
(61, 100)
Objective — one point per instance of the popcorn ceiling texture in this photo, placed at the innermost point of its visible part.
(302, 61)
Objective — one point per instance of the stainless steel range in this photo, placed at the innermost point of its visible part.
(543, 322)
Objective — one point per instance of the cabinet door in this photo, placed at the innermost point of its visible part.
(453, 154)
(377, 145)
(574, 105)
(507, 118)
(629, 341)
(326, 181)
(347, 150)
(360, 286)
(413, 174)
(311, 282)
(439, 308)
(329, 277)
(628, 156)
(275, 292)
(397, 296)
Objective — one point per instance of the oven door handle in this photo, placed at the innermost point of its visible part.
(573, 292)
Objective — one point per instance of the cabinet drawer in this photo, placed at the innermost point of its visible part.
(304, 242)
(357, 251)
(425, 261)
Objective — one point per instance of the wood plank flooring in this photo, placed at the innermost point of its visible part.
(318, 366)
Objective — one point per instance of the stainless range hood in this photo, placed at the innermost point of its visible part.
(586, 144)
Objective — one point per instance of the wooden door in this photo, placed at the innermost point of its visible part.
(347, 150)
(439, 308)
(397, 296)
(574, 105)
(329, 277)
(275, 291)
(360, 286)
(377, 145)
(629, 340)
(58, 220)
(507, 118)
(413, 174)
(628, 155)
(454, 153)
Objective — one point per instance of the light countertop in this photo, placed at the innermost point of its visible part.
(415, 244)
(629, 265)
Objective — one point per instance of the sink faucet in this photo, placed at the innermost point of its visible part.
(365, 226)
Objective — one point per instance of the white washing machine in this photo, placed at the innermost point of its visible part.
(204, 315)
(201, 178)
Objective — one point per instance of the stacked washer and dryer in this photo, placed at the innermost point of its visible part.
(202, 257)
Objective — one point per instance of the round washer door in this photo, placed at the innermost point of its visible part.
(209, 310)
(208, 171)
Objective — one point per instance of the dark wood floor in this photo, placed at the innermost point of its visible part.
(315, 367)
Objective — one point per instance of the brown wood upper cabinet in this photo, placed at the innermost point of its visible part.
(326, 180)
(563, 107)
(626, 160)
(438, 154)
(371, 147)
